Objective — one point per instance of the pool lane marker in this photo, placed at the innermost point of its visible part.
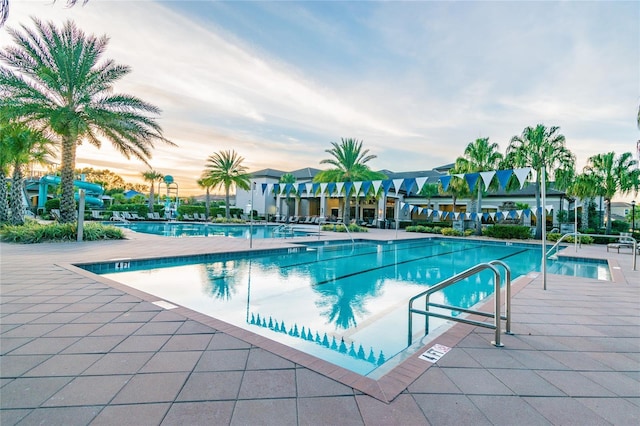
(164, 305)
(434, 353)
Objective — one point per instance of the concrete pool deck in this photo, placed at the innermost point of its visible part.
(76, 349)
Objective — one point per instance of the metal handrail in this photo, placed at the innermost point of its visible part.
(579, 234)
(497, 316)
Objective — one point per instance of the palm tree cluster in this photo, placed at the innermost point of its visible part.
(55, 80)
(19, 146)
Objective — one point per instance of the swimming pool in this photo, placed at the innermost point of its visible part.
(344, 303)
(189, 229)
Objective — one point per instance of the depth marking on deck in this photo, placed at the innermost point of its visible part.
(434, 353)
(164, 305)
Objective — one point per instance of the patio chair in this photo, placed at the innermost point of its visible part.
(136, 216)
(96, 215)
(55, 213)
(625, 241)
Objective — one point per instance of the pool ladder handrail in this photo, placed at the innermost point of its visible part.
(283, 230)
(580, 234)
(496, 315)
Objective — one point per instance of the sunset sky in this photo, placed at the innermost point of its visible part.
(416, 81)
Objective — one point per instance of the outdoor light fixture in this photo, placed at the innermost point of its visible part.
(633, 216)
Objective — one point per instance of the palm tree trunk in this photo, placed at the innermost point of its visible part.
(15, 197)
(226, 202)
(67, 202)
(347, 210)
(4, 198)
(207, 204)
(585, 212)
(608, 201)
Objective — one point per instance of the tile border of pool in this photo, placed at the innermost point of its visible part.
(385, 389)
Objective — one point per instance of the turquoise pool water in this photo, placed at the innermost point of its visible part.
(343, 303)
(188, 229)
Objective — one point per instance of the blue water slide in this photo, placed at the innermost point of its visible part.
(93, 190)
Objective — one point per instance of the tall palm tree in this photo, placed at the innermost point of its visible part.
(610, 175)
(537, 147)
(224, 169)
(284, 180)
(429, 190)
(206, 185)
(152, 176)
(458, 188)
(21, 146)
(349, 160)
(56, 79)
(481, 156)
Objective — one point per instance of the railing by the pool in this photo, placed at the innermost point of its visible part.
(306, 334)
(578, 243)
(496, 315)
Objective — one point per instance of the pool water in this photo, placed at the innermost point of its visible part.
(346, 303)
(187, 229)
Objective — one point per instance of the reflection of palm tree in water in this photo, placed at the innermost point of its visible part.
(220, 279)
(341, 301)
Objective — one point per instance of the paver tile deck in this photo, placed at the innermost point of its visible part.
(77, 349)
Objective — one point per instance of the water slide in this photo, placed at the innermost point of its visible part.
(93, 190)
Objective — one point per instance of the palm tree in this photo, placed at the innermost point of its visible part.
(152, 176)
(537, 147)
(481, 156)
(206, 184)
(20, 146)
(285, 179)
(608, 176)
(429, 190)
(224, 169)
(56, 80)
(349, 161)
(458, 188)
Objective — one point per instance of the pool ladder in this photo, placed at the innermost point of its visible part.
(496, 315)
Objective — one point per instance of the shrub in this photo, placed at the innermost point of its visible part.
(468, 232)
(450, 232)
(619, 226)
(517, 232)
(34, 232)
(340, 228)
(437, 230)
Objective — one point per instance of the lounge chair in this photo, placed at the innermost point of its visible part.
(55, 213)
(186, 216)
(136, 216)
(96, 215)
(119, 216)
(625, 241)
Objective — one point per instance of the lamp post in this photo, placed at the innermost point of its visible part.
(633, 216)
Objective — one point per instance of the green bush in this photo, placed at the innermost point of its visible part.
(508, 232)
(469, 232)
(450, 232)
(34, 232)
(619, 226)
(340, 228)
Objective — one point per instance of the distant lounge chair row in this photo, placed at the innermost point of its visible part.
(303, 220)
(129, 216)
(195, 217)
